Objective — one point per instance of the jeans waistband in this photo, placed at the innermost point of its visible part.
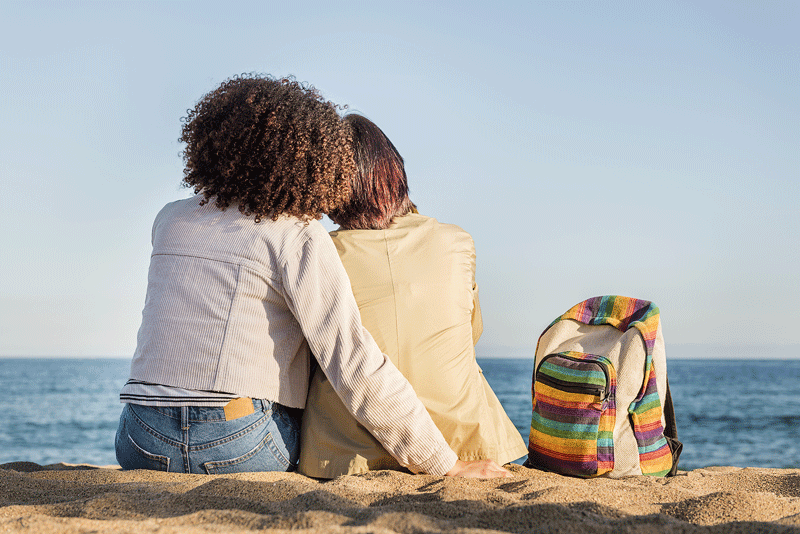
(212, 413)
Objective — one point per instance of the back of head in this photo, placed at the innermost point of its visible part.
(379, 188)
(274, 146)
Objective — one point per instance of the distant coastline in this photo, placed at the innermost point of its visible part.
(677, 351)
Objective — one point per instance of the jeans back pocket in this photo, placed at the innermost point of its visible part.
(265, 456)
(131, 455)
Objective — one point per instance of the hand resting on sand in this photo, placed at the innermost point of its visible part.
(479, 469)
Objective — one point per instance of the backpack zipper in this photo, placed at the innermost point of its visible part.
(571, 387)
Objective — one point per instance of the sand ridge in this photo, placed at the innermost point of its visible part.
(73, 498)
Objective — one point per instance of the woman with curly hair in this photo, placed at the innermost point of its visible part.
(414, 281)
(245, 285)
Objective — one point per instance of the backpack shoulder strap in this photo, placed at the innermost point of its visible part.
(671, 432)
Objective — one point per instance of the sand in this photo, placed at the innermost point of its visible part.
(82, 498)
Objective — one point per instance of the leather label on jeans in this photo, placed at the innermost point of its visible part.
(238, 408)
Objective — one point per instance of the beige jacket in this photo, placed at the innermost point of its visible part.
(414, 284)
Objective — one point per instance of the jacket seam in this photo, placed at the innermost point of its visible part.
(243, 262)
(228, 325)
(394, 301)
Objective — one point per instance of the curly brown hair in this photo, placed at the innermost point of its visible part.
(274, 146)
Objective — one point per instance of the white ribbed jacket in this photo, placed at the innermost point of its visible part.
(235, 306)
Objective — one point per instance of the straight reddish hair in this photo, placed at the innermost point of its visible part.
(379, 187)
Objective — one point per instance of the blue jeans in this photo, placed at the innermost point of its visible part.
(193, 439)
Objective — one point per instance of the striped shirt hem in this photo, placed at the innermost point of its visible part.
(147, 394)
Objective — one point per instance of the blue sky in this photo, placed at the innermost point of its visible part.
(649, 149)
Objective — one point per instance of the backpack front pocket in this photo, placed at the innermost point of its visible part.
(574, 413)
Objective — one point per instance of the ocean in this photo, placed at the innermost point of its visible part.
(729, 412)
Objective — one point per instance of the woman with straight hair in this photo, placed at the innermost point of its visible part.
(414, 281)
(245, 285)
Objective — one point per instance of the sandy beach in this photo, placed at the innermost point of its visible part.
(81, 498)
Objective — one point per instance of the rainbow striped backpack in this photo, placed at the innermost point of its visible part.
(601, 402)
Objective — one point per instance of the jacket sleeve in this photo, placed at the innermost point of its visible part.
(318, 292)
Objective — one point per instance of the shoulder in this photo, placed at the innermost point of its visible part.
(445, 231)
(304, 237)
(177, 206)
(413, 227)
(310, 231)
(417, 219)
